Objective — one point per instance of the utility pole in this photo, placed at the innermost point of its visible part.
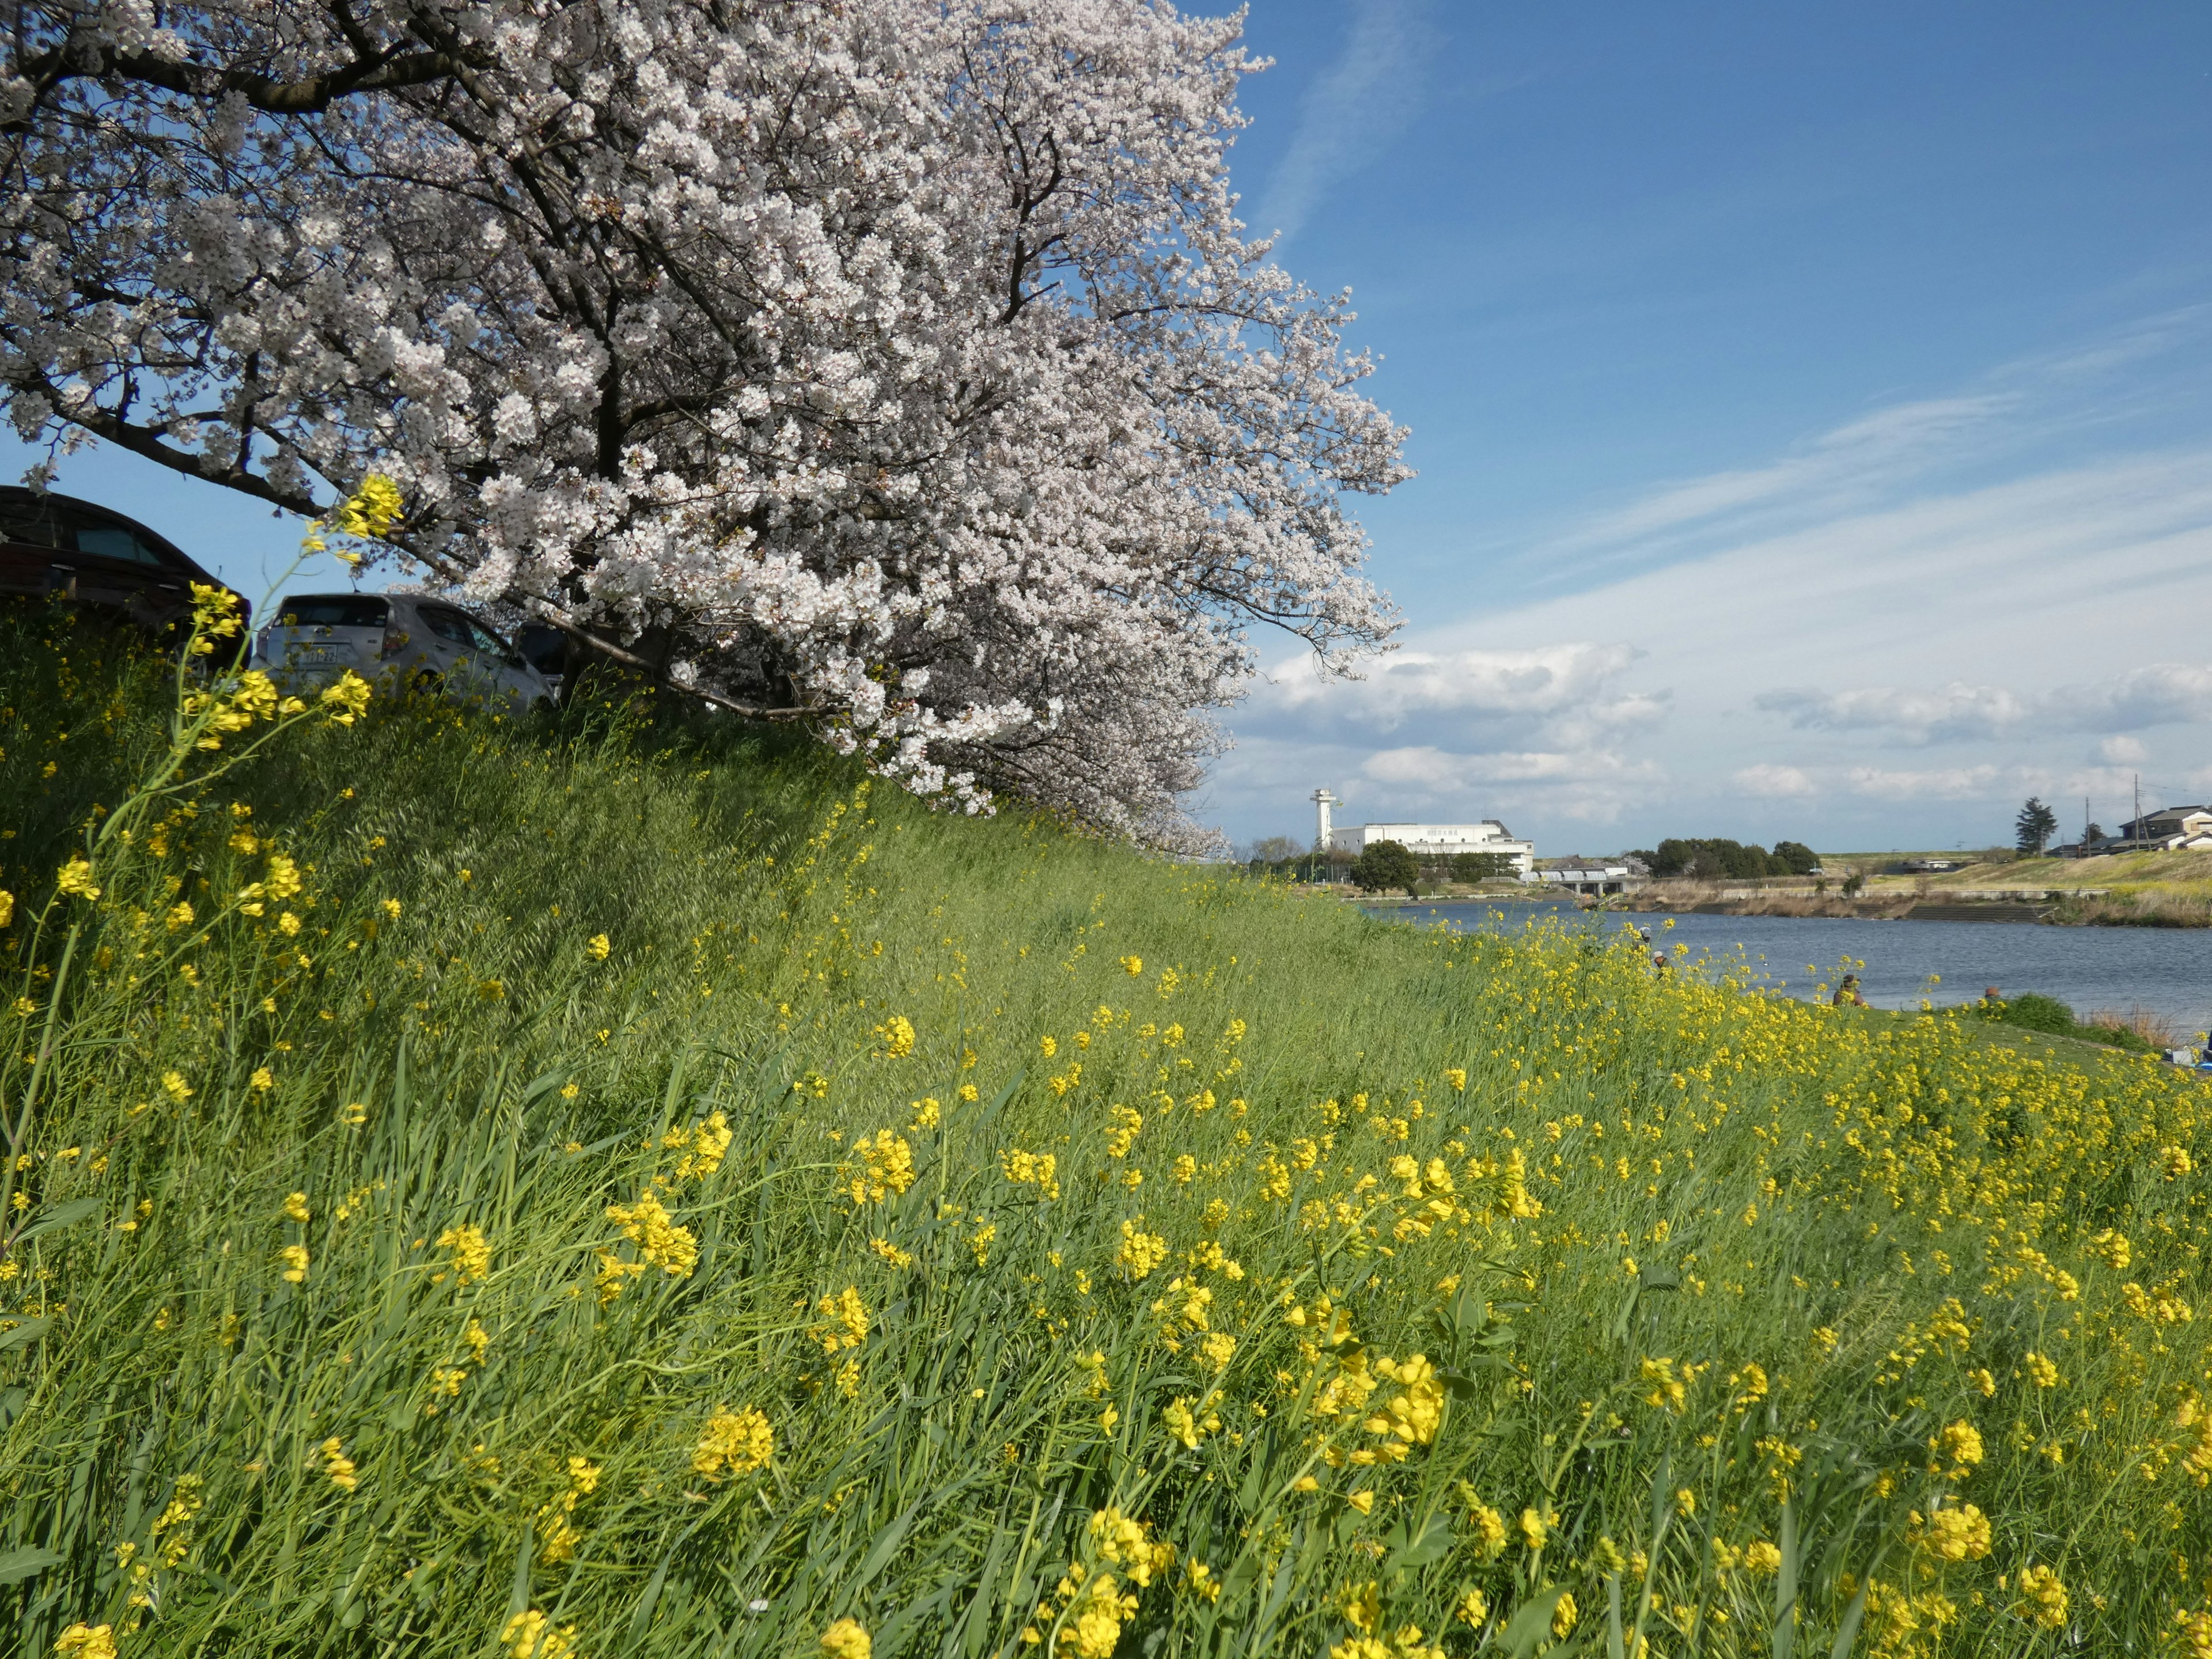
(2135, 829)
(2085, 826)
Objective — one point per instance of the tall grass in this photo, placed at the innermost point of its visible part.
(659, 1195)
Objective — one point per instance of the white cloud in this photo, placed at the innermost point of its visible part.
(1546, 681)
(2123, 752)
(1775, 782)
(1352, 112)
(1947, 783)
(1587, 786)
(1956, 711)
(2157, 694)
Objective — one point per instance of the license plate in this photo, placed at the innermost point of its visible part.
(314, 656)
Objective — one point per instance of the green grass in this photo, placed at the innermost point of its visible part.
(1697, 1270)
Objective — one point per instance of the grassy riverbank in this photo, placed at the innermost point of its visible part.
(613, 1187)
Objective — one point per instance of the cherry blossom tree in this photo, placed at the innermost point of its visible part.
(900, 365)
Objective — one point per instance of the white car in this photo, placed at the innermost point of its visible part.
(424, 644)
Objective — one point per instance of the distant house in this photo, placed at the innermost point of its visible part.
(2169, 830)
(1438, 841)
(1932, 866)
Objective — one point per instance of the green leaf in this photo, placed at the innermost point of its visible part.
(1848, 1631)
(1532, 1624)
(1419, 1549)
(62, 1215)
(23, 1332)
(27, 1562)
(1785, 1585)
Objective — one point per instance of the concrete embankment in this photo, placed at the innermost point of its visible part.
(1889, 907)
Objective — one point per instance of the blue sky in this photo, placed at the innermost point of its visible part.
(1811, 411)
(1809, 404)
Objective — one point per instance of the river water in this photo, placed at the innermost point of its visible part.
(2166, 970)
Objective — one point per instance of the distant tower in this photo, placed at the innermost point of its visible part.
(1323, 801)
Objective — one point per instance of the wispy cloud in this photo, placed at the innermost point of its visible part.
(2156, 693)
(1856, 463)
(1352, 112)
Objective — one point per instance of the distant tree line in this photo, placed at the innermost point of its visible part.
(1718, 856)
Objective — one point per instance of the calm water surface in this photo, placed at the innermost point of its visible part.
(2166, 969)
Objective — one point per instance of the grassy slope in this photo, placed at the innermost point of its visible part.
(1885, 1218)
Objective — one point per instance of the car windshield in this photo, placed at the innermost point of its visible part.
(31, 524)
(103, 540)
(333, 610)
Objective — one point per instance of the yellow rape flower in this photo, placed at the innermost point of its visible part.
(338, 1466)
(846, 1639)
(75, 879)
(371, 510)
(649, 1225)
(734, 1443)
(294, 1258)
(1962, 1444)
(87, 1642)
(896, 1035)
(295, 1207)
(1563, 1616)
(532, 1636)
(470, 1252)
(1958, 1534)
(598, 947)
(885, 1169)
(347, 700)
(846, 1320)
(1140, 1252)
(2043, 1598)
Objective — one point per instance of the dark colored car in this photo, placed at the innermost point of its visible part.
(58, 545)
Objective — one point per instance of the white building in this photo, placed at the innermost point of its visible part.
(1437, 840)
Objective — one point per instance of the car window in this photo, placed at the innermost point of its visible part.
(449, 625)
(30, 524)
(333, 610)
(103, 540)
(489, 642)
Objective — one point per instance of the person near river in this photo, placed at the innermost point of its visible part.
(1847, 993)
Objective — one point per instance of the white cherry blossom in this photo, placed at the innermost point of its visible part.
(897, 365)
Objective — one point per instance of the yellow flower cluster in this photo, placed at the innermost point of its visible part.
(884, 1169)
(897, 1036)
(468, 1254)
(844, 1321)
(1140, 1252)
(660, 1242)
(734, 1443)
(1037, 1169)
(531, 1635)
